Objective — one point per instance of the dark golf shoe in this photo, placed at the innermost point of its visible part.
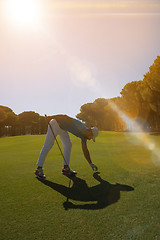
(39, 173)
(68, 172)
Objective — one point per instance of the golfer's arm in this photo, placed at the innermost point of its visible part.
(86, 152)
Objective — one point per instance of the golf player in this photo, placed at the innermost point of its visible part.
(60, 125)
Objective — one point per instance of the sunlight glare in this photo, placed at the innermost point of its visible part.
(23, 13)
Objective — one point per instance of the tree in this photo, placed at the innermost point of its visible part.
(7, 121)
(29, 122)
(87, 114)
(101, 114)
(150, 92)
(2, 116)
(131, 99)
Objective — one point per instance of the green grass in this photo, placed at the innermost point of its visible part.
(31, 209)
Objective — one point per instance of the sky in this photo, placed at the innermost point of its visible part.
(56, 55)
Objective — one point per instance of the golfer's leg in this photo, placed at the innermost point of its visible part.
(49, 141)
(67, 145)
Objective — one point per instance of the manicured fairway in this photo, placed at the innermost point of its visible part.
(97, 207)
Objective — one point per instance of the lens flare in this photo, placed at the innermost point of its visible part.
(139, 136)
(80, 72)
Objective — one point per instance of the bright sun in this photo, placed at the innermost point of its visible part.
(23, 12)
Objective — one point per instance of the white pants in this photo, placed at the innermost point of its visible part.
(49, 142)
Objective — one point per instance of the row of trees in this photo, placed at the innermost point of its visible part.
(24, 123)
(139, 103)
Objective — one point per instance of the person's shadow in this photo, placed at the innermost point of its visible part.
(103, 194)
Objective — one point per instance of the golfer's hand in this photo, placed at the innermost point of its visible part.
(94, 167)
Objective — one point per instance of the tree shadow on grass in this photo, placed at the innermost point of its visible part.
(103, 194)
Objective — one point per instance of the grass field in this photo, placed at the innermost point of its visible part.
(120, 203)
